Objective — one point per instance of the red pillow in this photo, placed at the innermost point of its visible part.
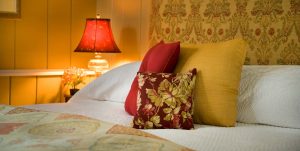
(165, 100)
(162, 57)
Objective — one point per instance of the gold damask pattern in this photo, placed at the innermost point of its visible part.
(271, 27)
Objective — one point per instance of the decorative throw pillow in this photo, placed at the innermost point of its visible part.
(160, 58)
(219, 68)
(165, 100)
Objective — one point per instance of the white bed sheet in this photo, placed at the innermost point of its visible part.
(246, 137)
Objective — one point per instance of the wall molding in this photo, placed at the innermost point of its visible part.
(37, 72)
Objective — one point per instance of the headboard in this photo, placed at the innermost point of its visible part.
(271, 27)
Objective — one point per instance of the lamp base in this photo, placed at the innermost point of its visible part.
(98, 64)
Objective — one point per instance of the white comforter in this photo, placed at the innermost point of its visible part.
(243, 137)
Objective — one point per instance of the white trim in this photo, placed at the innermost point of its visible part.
(37, 72)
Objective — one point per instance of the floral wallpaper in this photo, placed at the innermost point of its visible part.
(271, 27)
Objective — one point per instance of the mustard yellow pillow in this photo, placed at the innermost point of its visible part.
(219, 68)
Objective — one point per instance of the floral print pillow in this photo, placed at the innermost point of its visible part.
(165, 100)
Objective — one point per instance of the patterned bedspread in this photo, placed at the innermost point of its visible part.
(27, 129)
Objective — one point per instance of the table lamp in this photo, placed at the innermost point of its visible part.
(97, 38)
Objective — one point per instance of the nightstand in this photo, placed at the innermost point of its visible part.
(67, 98)
(89, 77)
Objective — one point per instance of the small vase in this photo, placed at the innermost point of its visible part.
(73, 91)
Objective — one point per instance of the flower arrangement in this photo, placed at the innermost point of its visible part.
(73, 76)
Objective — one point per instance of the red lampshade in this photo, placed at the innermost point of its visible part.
(97, 37)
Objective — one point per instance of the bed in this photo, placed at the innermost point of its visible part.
(261, 132)
(242, 137)
(233, 107)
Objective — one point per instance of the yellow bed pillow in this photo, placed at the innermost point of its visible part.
(219, 68)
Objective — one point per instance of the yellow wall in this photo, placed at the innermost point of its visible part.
(43, 38)
(45, 35)
(48, 32)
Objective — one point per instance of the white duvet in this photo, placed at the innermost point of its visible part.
(268, 95)
(243, 137)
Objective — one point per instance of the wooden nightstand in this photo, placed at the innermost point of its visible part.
(67, 98)
(72, 92)
(90, 76)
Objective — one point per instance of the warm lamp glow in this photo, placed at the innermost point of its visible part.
(98, 64)
(98, 38)
(122, 62)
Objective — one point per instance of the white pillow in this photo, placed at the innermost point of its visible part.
(114, 85)
(270, 95)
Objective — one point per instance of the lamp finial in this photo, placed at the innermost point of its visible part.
(98, 16)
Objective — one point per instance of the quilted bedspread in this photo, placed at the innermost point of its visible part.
(27, 129)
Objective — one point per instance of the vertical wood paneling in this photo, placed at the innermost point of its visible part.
(7, 44)
(4, 93)
(31, 35)
(59, 21)
(145, 26)
(48, 90)
(126, 25)
(44, 37)
(104, 8)
(81, 9)
(23, 90)
(62, 95)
